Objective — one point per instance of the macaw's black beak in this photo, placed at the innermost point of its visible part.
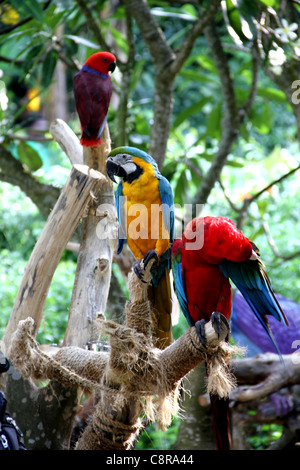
(112, 169)
(112, 67)
(120, 165)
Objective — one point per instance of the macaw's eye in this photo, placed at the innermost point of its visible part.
(104, 60)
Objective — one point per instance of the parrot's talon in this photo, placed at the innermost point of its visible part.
(151, 254)
(138, 271)
(200, 329)
(216, 319)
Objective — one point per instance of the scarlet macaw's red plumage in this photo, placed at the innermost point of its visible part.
(212, 251)
(92, 87)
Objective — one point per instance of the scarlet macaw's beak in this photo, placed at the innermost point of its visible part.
(120, 165)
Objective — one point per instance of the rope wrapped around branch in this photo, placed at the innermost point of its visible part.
(131, 380)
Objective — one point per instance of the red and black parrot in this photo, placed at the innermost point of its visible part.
(211, 251)
(92, 87)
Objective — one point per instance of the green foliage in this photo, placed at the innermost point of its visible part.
(29, 157)
(264, 435)
(153, 439)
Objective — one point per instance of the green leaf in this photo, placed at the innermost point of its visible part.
(83, 41)
(207, 63)
(206, 156)
(262, 121)
(239, 18)
(53, 17)
(33, 8)
(232, 20)
(190, 111)
(268, 3)
(181, 188)
(201, 77)
(248, 11)
(262, 205)
(29, 157)
(33, 55)
(236, 163)
(137, 73)
(244, 132)
(120, 39)
(213, 127)
(178, 35)
(48, 67)
(272, 94)
(173, 13)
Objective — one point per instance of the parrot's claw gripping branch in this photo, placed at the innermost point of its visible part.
(150, 255)
(216, 320)
(137, 268)
(142, 267)
(132, 378)
(219, 324)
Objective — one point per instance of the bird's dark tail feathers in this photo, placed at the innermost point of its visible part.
(90, 141)
(220, 414)
(221, 421)
(161, 299)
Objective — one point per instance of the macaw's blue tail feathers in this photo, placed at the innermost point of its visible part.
(253, 283)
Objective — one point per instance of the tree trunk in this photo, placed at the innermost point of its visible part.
(196, 429)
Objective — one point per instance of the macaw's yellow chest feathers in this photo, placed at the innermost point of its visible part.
(145, 225)
(144, 189)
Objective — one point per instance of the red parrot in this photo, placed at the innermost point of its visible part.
(212, 251)
(92, 88)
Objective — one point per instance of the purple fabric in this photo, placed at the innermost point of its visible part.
(247, 331)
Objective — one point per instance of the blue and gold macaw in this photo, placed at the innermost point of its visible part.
(145, 210)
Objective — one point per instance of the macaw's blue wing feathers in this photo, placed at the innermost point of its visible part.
(167, 201)
(121, 216)
(178, 285)
(253, 283)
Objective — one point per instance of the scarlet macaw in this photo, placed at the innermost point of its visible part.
(143, 190)
(212, 251)
(92, 88)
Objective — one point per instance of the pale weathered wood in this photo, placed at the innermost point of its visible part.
(99, 241)
(67, 140)
(47, 252)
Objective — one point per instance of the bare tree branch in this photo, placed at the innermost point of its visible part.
(93, 24)
(273, 246)
(153, 36)
(127, 70)
(248, 201)
(12, 171)
(246, 108)
(167, 65)
(230, 121)
(266, 369)
(197, 29)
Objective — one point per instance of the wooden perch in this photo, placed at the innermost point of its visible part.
(67, 140)
(94, 263)
(132, 379)
(47, 252)
(82, 198)
(266, 369)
